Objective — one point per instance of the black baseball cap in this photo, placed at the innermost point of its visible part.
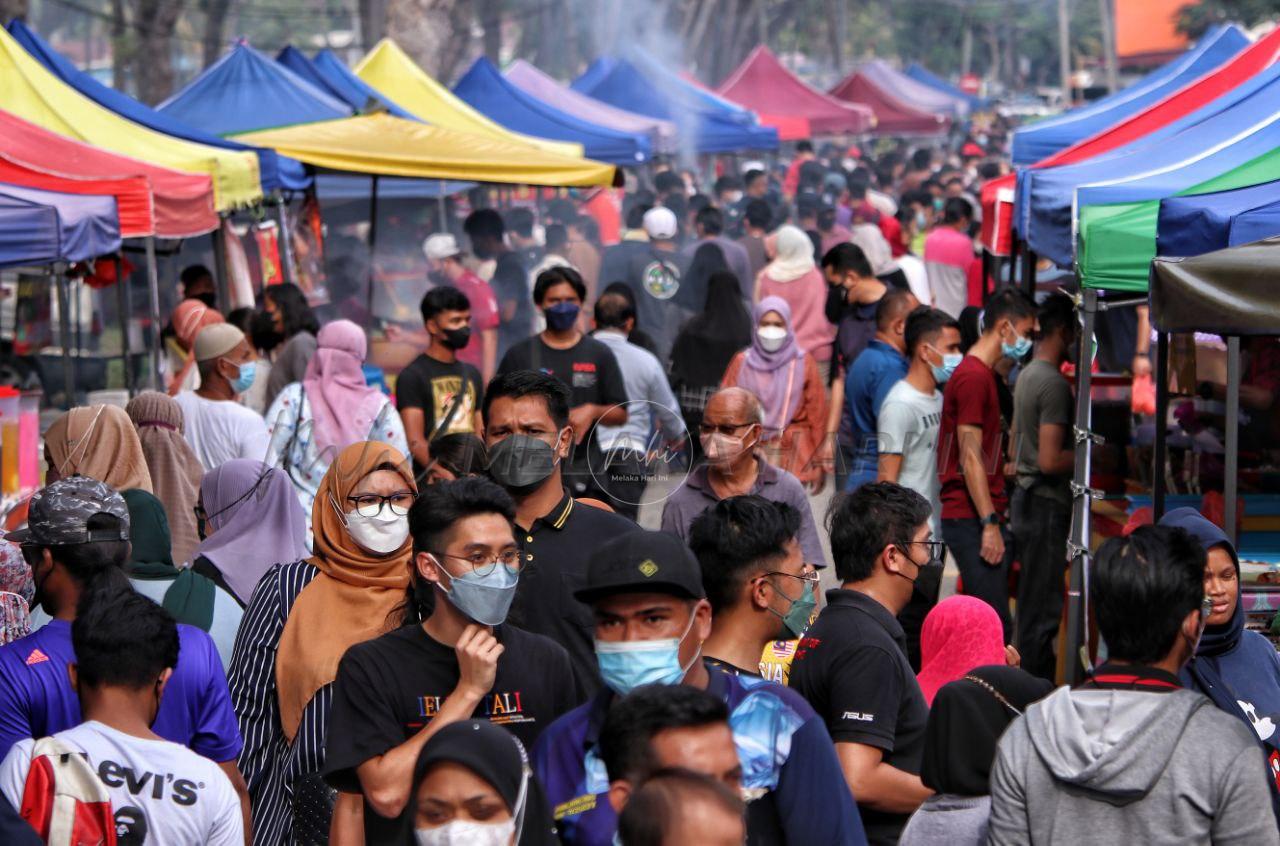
(59, 514)
(642, 562)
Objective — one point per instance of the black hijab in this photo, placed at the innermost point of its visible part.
(965, 723)
(495, 755)
(709, 340)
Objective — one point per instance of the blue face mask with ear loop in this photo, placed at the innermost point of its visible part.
(950, 361)
(1018, 349)
(244, 379)
(628, 664)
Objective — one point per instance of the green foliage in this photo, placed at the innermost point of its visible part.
(1196, 17)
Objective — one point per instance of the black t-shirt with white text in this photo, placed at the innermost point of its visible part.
(389, 688)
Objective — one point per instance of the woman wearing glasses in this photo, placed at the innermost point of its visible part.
(454, 659)
(301, 619)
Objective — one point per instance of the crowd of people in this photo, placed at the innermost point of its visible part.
(277, 605)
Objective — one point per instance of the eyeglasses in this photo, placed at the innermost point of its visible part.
(705, 428)
(807, 575)
(371, 505)
(937, 549)
(483, 564)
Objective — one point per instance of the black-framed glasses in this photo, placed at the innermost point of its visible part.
(483, 564)
(937, 548)
(371, 505)
(730, 429)
(807, 575)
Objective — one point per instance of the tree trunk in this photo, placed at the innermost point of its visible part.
(11, 9)
(215, 27)
(121, 48)
(373, 22)
(490, 12)
(153, 70)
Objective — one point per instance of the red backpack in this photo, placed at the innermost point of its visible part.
(63, 800)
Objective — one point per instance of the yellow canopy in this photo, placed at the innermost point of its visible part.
(391, 146)
(398, 78)
(29, 91)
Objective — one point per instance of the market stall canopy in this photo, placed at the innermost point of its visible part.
(487, 91)
(327, 71)
(274, 172)
(244, 91)
(711, 123)
(893, 115)
(1227, 292)
(391, 72)
(880, 76)
(87, 224)
(924, 76)
(1192, 226)
(341, 186)
(388, 146)
(131, 193)
(1044, 138)
(181, 203)
(762, 84)
(1182, 153)
(28, 233)
(661, 133)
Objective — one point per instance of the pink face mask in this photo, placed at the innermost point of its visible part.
(721, 448)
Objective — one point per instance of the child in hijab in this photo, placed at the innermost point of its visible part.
(965, 723)
(473, 784)
(1238, 669)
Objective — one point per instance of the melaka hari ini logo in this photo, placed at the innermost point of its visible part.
(662, 465)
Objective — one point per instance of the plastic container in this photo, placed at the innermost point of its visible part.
(10, 403)
(29, 440)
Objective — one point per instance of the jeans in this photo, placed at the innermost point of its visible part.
(986, 582)
(1041, 525)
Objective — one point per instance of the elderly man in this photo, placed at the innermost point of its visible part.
(730, 431)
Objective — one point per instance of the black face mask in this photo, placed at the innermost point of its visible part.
(456, 339)
(837, 302)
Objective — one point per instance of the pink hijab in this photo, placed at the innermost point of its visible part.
(960, 634)
(343, 407)
(776, 378)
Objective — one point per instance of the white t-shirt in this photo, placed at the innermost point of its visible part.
(220, 430)
(908, 424)
(162, 794)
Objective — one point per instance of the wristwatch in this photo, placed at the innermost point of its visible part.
(992, 519)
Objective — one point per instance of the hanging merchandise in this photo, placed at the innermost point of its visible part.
(266, 234)
(307, 241)
(239, 276)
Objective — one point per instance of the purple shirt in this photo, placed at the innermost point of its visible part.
(37, 700)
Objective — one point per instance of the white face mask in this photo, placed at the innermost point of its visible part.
(467, 833)
(733, 197)
(772, 337)
(381, 535)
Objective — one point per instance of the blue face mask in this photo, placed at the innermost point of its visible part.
(485, 599)
(628, 664)
(561, 316)
(244, 381)
(942, 372)
(1018, 349)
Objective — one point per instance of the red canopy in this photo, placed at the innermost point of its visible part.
(1249, 62)
(179, 204)
(763, 85)
(893, 116)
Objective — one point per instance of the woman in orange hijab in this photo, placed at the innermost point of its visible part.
(301, 619)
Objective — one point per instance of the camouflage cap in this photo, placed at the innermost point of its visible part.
(59, 513)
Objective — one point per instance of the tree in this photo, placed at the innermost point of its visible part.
(1196, 18)
(10, 9)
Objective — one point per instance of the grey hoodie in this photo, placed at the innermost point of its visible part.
(1129, 767)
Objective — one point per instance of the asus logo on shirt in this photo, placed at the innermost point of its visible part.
(858, 716)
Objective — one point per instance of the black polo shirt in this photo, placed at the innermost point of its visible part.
(852, 667)
(555, 550)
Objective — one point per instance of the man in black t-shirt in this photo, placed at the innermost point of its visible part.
(436, 394)
(852, 662)
(393, 693)
(585, 366)
(510, 281)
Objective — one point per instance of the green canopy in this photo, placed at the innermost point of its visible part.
(1117, 241)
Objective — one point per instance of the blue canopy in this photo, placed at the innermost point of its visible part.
(1047, 198)
(245, 91)
(87, 225)
(276, 172)
(487, 91)
(714, 124)
(28, 233)
(1192, 226)
(327, 72)
(924, 76)
(1044, 138)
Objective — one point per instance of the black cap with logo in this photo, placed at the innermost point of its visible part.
(642, 562)
(59, 513)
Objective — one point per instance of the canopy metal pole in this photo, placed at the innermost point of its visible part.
(64, 328)
(1029, 270)
(1078, 546)
(441, 207)
(1160, 451)
(1231, 480)
(284, 240)
(220, 265)
(153, 304)
(123, 300)
(373, 235)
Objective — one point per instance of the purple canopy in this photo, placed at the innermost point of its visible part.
(912, 92)
(88, 224)
(535, 83)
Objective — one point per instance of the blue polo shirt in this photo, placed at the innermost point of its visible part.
(868, 382)
(789, 766)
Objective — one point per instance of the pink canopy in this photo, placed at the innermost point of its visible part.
(763, 85)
